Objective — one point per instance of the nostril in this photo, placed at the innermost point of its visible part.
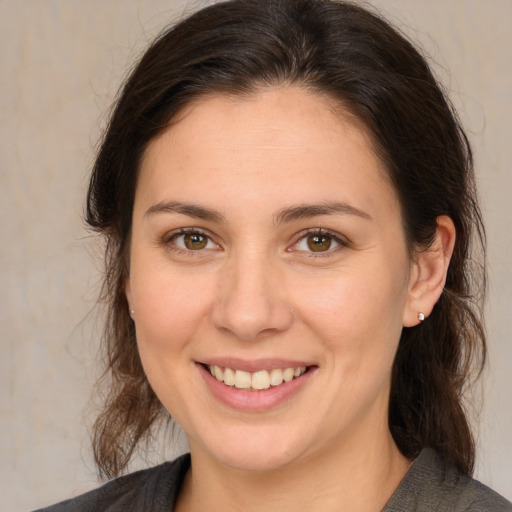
(251, 320)
(249, 304)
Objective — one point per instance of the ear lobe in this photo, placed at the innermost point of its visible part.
(428, 275)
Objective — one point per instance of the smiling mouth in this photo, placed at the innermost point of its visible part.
(255, 381)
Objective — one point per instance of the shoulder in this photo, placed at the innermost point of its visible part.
(429, 485)
(151, 489)
(477, 497)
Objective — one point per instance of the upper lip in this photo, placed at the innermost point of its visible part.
(253, 365)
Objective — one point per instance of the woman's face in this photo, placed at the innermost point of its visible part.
(267, 241)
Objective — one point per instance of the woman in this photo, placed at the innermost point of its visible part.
(290, 214)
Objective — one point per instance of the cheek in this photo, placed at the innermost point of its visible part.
(170, 306)
(168, 318)
(358, 318)
(355, 303)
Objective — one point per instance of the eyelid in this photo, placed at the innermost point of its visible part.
(171, 235)
(341, 240)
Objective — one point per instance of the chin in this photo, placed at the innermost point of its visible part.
(255, 451)
(259, 460)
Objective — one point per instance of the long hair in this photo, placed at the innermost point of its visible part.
(355, 57)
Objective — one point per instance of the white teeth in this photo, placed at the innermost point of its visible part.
(262, 379)
(242, 379)
(219, 374)
(229, 377)
(288, 374)
(276, 377)
(299, 371)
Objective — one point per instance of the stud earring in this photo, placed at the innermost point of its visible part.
(421, 317)
(132, 312)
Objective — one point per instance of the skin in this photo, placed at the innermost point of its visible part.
(257, 291)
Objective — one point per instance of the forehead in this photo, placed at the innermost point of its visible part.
(270, 109)
(267, 143)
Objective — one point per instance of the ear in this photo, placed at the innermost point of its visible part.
(428, 273)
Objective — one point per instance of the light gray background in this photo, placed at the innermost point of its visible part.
(61, 64)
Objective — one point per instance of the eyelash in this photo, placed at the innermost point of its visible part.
(343, 243)
(169, 241)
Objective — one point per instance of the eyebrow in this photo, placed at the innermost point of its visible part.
(190, 210)
(284, 216)
(313, 210)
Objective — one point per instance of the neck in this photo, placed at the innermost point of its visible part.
(346, 478)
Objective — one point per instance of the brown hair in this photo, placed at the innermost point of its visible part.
(355, 57)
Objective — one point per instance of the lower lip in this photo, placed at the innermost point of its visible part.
(254, 401)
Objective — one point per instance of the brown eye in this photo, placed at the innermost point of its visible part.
(190, 241)
(195, 241)
(319, 243)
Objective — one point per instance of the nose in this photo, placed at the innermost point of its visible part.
(251, 302)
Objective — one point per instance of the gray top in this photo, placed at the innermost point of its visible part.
(428, 486)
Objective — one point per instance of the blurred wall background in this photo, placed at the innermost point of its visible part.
(61, 64)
